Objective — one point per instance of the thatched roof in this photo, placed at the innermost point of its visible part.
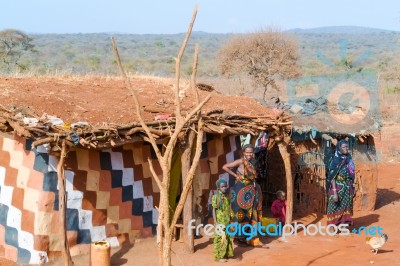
(345, 125)
(108, 111)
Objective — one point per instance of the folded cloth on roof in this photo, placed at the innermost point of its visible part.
(77, 124)
(32, 121)
(261, 142)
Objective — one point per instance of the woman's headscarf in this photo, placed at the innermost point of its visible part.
(338, 160)
(220, 182)
(219, 194)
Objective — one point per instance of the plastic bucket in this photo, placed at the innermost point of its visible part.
(267, 221)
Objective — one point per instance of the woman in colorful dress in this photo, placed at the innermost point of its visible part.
(223, 246)
(246, 196)
(340, 188)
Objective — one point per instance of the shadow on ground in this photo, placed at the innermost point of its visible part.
(386, 196)
(116, 258)
(365, 220)
(320, 257)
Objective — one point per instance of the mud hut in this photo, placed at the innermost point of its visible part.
(110, 194)
(313, 143)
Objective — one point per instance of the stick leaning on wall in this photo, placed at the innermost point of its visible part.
(62, 199)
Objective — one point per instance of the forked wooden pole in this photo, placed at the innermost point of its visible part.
(186, 158)
(187, 162)
(62, 200)
(289, 180)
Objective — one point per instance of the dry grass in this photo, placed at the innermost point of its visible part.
(73, 77)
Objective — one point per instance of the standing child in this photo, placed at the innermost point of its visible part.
(223, 247)
(278, 207)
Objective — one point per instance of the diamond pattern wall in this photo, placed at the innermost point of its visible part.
(110, 195)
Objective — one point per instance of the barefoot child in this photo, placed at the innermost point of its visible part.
(223, 247)
(278, 207)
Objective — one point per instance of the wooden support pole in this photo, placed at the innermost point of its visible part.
(186, 159)
(289, 180)
(62, 197)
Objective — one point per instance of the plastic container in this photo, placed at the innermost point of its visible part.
(267, 221)
(100, 254)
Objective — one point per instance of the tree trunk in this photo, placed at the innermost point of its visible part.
(160, 231)
(289, 180)
(62, 197)
(165, 220)
(167, 247)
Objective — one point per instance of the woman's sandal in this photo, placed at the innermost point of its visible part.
(257, 243)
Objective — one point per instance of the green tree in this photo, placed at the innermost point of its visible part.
(14, 44)
(265, 56)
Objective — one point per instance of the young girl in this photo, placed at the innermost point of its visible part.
(278, 207)
(223, 247)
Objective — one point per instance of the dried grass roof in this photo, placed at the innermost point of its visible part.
(344, 125)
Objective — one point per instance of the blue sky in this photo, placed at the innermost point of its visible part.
(173, 16)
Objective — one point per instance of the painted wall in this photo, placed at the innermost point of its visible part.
(111, 195)
(25, 202)
(217, 150)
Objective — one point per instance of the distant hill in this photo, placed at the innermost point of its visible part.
(341, 30)
(154, 54)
